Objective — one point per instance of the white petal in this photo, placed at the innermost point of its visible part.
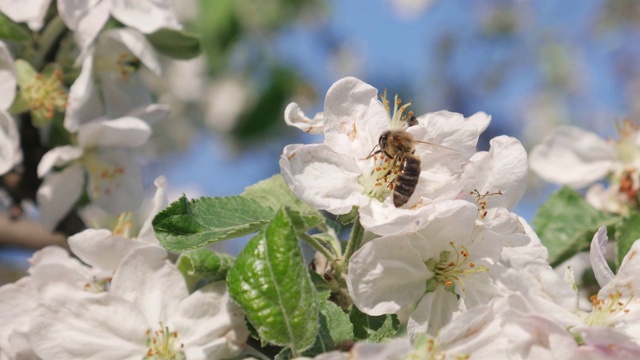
(122, 95)
(626, 281)
(122, 132)
(346, 105)
(100, 248)
(58, 193)
(210, 324)
(93, 326)
(322, 178)
(30, 11)
(116, 185)
(148, 280)
(85, 18)
(572, 156)
(599, 264)
(146, 16)
(385, 275)
(434, 311)
(84, 103)
(151, 113)
(159, 202)
(503, 168)
(17, 301)
(58, 156)
(8, 79)
(385, 219)
(10, 152)
(136, 43)
(293, 116)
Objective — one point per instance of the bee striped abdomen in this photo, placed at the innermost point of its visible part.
(405, 184)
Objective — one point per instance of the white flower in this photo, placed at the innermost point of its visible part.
(344, 171)
(148, 312)
(10, 153)
(17, 301)
(109, 84)
(578, 158)
(115, 182)
(446, 267)
(31, 12)
(87, 18)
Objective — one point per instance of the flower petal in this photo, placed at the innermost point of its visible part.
(58, 193)
(433, 312)
(101, 249)
(159, 202)
(385, 275)
(8, 79)
(322, 178)
(503, 168)
(122, 132)
(149, 281)
(293, 116)
(144, 15)
(84, 103)
(572, 156)
(30, 11)
(95, 326)
(10, 152)
(599, 264)
(116, 185)
(58, 156)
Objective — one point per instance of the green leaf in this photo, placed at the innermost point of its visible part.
(274, 193)
(205, 264)
(176, 44)
(566, 224)
(335, 328)
(627, 232)
(271, 283)
(9, 30)
(373, 328)
(186, 225)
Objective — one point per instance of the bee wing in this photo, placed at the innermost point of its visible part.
(436, 145)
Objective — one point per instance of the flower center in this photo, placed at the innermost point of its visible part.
(448, 270)
(44, 95)
(164, 345)
(123, 226)
(104, 174)
(97, 286)
(605, 309)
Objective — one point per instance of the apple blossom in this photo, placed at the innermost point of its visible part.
(575, 157)
(148, 313)
(447, 266)
(344, 171)
(115, 182)
(31, 12)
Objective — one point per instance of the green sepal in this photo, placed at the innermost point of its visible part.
(176, 44)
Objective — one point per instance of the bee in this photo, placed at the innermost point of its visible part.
(399, 147)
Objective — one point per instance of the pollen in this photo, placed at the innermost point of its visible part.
(164, 344)
(448, 271)
(45, 95)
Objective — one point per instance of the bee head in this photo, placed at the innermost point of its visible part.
(383, 140)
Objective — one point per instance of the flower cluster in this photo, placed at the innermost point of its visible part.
(119, 299)
(472, 276)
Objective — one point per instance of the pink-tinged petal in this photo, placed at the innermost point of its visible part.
(606, 343)
(159, 202)
(503, 168)
(31, 12)
(347, 102)
(115, 181)
(385, 275)
(572, 156)
(10, 152)
(626, 281)
(144, 15)
(322, 178)
(58, 156)
(101, 249)
(148, 280)
(293, 116)
(210, 324)
(122, 132)
(8, 79)
(58, 193)
(433, 312)
(598, 262)
(396, 348)
(71, 324)
(84, 103)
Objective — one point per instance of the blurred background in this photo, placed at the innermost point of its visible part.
(531, 65)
